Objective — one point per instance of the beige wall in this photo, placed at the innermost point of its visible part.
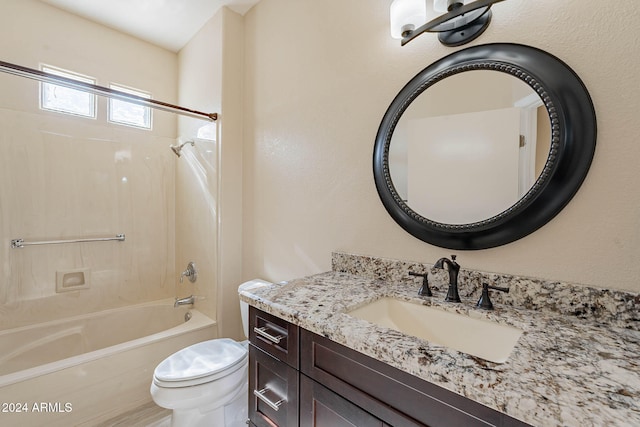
(318, 79)
(209, 229)
(34, 33)
(231, 167)
(197, 201)
(64, 176)
(294, 152)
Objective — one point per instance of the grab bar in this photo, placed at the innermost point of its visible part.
(20, 243)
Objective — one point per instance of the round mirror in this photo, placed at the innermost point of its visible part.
(484, 146)
(484, 133)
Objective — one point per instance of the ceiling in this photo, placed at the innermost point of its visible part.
(166, 23)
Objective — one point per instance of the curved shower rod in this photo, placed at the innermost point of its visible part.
(42, 76)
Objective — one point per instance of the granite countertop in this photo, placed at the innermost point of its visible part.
(564, 371)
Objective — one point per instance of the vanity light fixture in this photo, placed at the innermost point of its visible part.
(462, 21)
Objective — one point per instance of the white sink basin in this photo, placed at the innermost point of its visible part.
(478, 337)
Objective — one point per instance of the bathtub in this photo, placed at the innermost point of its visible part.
(86, 369)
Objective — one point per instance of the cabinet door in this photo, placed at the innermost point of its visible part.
(273, 391)
(394, 396)
(320, 407)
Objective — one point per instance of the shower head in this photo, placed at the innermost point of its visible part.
(178, 148)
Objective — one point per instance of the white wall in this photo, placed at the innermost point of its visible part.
(319, 77)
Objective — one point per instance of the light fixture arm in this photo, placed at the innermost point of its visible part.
(477, 19)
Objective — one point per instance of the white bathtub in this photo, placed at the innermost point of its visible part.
(85, 369)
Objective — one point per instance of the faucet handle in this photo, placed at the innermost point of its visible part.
(190, 272)
(484, 302)
(424, 290)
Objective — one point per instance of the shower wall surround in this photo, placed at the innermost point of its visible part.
(69, 177)
(62, 178)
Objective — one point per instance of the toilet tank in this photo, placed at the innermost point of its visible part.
(244, 307)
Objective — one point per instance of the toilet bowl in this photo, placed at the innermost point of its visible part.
(206, 383)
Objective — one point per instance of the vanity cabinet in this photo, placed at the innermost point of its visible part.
(324, 384)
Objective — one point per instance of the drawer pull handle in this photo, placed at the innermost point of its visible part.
(263, 333)
(261, 395)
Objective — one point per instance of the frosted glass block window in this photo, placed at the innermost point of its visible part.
(128, 113)
(66, 100)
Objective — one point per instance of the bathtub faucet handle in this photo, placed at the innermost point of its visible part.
(190, 272)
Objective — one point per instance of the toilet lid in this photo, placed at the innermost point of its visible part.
(205, 359)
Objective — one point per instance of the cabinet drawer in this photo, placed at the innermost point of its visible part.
(320, 407)
(408, 400)
(273, 391)
(275, 336)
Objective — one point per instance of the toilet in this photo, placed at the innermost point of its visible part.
(206, 383)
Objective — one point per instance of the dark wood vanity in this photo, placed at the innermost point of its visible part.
(297, 377)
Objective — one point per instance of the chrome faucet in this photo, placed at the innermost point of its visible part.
(190, 272)
(454, 268)
(190, 300)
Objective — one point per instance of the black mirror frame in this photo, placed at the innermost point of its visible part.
(573, 142)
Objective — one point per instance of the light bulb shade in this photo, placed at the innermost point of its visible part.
(407, 15)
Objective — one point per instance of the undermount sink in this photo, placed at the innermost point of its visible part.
(478, 337)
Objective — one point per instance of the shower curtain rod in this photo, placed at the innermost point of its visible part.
(42, 76)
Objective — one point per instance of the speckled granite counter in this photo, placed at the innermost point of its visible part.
(564, 371)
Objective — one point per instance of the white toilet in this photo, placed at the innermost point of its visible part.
(206, 384)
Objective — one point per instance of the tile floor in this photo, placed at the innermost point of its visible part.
(149, 415)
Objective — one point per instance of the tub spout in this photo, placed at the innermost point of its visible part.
(190, 300)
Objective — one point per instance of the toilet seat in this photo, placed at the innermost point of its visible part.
(200, 363)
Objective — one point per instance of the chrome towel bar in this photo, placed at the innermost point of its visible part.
(20, 243)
